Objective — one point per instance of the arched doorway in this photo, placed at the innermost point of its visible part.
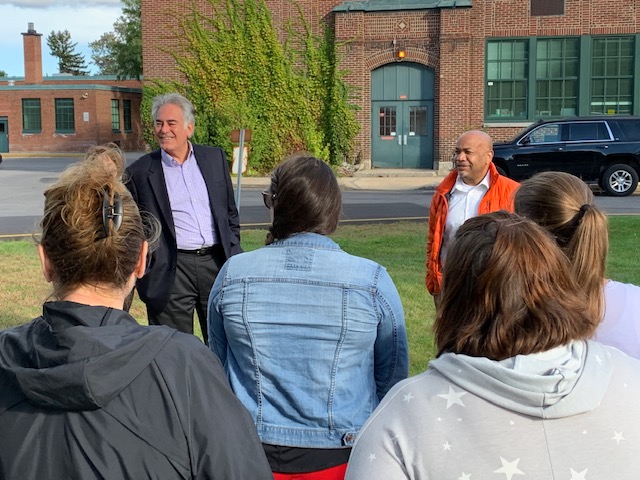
(402, 116)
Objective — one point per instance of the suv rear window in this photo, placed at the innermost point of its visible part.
(630, 129)
(582, 131)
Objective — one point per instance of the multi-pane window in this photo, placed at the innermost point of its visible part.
(557, 64)
(387, 121)
(418, 121)
(65, 122)
(612, 75)
(126, 115)
(507, 66)
(115, 115)
(31, 115)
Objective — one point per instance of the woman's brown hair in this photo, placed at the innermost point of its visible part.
(564, 205)
(92, 231)
(507, 290)
(305, 197)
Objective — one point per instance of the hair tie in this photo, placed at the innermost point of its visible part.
(111, 212)
(566, 232)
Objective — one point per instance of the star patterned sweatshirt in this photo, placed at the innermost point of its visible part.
(571, 413)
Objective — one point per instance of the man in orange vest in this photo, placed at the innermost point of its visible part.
(472, 188)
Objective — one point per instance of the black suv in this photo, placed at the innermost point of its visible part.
(596, 149)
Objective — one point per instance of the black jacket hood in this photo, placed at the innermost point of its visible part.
(75, 356)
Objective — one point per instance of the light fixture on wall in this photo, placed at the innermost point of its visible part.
(399, 53)
(85, 95)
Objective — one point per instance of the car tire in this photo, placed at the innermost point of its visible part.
(619, 180)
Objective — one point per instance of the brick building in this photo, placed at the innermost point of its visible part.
(428, 70)
(64, 113)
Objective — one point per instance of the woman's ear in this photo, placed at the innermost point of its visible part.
(142, 260)
(47, 271)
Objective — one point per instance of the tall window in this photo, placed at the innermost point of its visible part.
(612, 75)
(507, 65)
(65, 122)
(126, 115)
(31, 115)
(115, 115)
(557, 61)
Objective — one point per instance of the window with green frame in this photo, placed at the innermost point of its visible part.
(126, 115)
(65, 122)
(557, 66)
(115, 115)
(31, 115)
(612, 64)
(507, 76)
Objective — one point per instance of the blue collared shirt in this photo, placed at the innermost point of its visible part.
(189, 199)
(311, 338)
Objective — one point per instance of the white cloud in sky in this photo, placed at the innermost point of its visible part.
(86, 21)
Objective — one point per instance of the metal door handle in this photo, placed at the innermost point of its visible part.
(405, 139)
(399, 139)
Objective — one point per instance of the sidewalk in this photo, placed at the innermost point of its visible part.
(375, 179)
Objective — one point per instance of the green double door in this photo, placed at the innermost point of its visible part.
(402, 116)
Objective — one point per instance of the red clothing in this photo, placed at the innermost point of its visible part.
(498, 197)
(333, 473)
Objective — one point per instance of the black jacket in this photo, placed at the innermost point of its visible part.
(86, 392)
(147, 186)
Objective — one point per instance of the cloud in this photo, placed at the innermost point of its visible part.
(86, 22)
(63, 3)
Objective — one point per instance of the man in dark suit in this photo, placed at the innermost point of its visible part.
(188, 188)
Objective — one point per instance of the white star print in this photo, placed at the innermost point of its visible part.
(439, 419)
(453, 397)
(578, 476)
(598, 359)
(447, 446)
(372, 457)
(584, 432)
(465, 476)
(509, 468)
(511, 422)
(617, 436)
(459, 420)
(407, 398)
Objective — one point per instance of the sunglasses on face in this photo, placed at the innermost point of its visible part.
(268, 198)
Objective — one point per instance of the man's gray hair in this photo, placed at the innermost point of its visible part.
(188, 112)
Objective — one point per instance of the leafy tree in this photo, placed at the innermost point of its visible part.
(69, 61)
(120, 52)
(239, 75)
(3, 73)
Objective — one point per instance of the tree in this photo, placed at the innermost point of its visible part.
(3, 73)
(120, 52)
(69, 61)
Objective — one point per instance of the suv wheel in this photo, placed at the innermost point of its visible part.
(620, 180)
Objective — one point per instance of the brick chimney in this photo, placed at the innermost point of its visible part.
(32, 55)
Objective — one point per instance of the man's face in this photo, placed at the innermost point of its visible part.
(171, 132)
(472, 157)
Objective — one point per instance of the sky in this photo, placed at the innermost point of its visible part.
(86, 21)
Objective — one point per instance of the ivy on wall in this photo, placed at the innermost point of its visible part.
(291, 94)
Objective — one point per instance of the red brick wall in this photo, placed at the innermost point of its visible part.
(92, 132)
(450, 41)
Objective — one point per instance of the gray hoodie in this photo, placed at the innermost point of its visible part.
(86, 392)
(567, 414)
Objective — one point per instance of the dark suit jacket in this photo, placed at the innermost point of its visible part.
(145, 180)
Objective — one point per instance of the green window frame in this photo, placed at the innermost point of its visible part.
(126, 115)
(65, 112)
(557, 68)
(612, 65)
(31, 115)
(115, 115)
(507, 79)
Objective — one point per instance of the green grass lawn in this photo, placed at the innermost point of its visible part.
(400, 247)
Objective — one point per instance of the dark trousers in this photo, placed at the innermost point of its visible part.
(195, 275)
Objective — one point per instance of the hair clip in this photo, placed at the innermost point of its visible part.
(111, 212)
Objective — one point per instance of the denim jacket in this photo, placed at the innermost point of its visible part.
(311, 339)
